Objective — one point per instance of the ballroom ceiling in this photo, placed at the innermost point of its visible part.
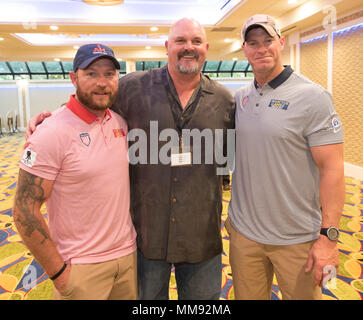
(44, 30)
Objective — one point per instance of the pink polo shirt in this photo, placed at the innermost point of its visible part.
(89, 206)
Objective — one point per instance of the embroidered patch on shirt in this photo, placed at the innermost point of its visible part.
(85, 138)
(279, 104)
(336, 124)
(244, 101)
(119, 133)
(29, 157)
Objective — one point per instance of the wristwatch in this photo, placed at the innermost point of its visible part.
(332, 233)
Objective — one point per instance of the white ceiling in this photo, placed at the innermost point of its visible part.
(131, 12)
(25, 25)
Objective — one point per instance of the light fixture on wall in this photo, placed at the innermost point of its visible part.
(103, 2)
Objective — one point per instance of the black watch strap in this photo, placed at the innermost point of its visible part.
(331, 233)
(324, 231)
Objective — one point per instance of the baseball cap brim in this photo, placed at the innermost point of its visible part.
(269, 29)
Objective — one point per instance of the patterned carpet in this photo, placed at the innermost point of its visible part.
(21, 277)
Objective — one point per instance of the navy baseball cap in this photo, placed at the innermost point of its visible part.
(90, 52)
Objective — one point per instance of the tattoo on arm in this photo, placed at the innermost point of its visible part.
(30, 194)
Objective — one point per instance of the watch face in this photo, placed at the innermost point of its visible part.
(333, 233)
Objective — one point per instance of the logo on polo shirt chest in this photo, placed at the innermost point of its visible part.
(244, 101)
(279, 104)
(119, 133)
(85, 138)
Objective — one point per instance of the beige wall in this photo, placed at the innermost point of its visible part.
(347, 90)
(49, 97)
(314, 61)
(347, 76)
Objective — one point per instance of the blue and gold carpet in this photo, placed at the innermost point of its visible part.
(22, 278)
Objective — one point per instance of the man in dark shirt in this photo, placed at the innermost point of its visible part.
(177, 209)
(176, 206)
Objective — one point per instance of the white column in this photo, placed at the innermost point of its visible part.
(23, 103)
(292, 56)
(298, 57)
(294, 42)
(130, 66)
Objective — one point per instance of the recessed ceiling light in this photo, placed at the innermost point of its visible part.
(227, 40)
(76, 47)
(154, 29)
(147, 47)
(235, 59)
(56, 59)
(54, 28)
(1, 38)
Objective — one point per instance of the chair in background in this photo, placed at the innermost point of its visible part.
(9, 123)
(17, 122)
(1, 127)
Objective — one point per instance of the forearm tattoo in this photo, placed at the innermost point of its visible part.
(30, 194)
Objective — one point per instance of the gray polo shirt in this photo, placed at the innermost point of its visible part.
(275, 184)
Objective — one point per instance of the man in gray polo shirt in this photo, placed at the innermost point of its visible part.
(288, 183)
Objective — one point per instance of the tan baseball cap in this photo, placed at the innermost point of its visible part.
(263, 20)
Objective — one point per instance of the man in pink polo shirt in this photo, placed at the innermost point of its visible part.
(77, 163)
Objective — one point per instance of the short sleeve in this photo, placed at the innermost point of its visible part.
(43, 152)
(323, 125)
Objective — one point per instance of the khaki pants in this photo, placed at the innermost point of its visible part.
(110, 280)
(254, 264)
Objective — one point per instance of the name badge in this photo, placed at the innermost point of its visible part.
(181, 159)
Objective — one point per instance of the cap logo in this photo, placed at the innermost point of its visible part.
(98, 49)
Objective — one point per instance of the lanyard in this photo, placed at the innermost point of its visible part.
(183, 120)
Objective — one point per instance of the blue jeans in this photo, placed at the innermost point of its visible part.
(195, 281)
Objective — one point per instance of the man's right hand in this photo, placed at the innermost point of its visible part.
(61, 282)
(34, 121)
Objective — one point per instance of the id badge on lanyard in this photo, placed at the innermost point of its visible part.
(181, 156)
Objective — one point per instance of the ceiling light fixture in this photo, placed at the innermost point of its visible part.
(1, 38)
(56, 59)
(154, 29)
(227, 40)
(147, 47)
(104, 2)
(54, 28)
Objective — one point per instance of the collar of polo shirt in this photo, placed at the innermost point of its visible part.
(82, 112)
